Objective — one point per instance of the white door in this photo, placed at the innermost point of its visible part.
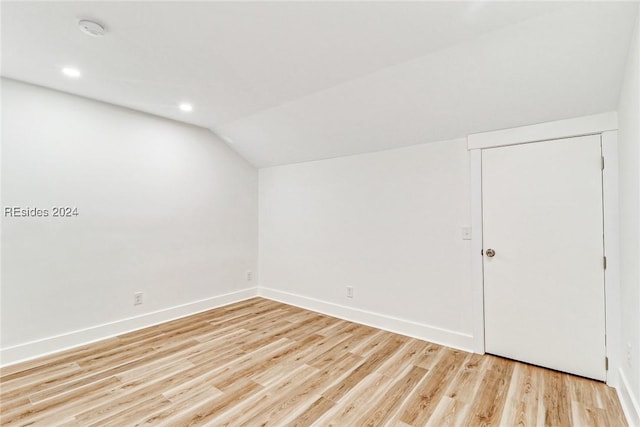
(544, 284)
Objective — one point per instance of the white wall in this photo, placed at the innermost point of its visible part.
(386, 223)
(629, 164)
(164, 208)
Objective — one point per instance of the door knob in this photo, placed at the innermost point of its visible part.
(491, 253)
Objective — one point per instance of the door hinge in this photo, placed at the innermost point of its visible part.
(602, 162)
(604, 262)
(606, 363)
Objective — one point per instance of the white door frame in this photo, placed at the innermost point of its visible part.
(605, 124)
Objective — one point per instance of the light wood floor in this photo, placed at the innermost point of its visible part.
(259, 362)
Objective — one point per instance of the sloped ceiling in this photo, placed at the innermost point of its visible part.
(287, 82)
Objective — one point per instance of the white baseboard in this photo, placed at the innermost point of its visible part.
(629, 401)
(388, 323)
(54, 344)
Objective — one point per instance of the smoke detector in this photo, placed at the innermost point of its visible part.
(91, 28)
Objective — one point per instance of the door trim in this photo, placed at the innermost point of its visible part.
(612, 252)
(580, 126)
(598, 124)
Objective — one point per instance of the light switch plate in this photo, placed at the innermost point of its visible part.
(466, 233)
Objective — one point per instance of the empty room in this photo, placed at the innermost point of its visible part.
(320, 213)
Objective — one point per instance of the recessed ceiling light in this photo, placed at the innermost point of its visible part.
(71, 72)
(91, 28)
(186, 107)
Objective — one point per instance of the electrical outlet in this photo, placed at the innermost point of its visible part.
(349, 291)
(249, 276)
(137, 298)
(629, 353)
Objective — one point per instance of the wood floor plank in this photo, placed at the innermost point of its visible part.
(180, 403)
(261, 362)
(133, 392)
(15, 390)
(405, 356)
(384, 408)
(556, 402)
(296, 399)
(430, 355)
(428, 393)
(372, 362)
(522, 400)
(200, 414)
(279, 403)
(50, 409)
(78, 383)
(448, 412)
(263, 399)
(356, 402)
(312, 413)
(464, 387)
(332, 349)
(288, 353)
(487, 409)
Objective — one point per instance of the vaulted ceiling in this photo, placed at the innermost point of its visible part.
(287, 82)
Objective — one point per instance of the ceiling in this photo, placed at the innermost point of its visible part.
(287, 82)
